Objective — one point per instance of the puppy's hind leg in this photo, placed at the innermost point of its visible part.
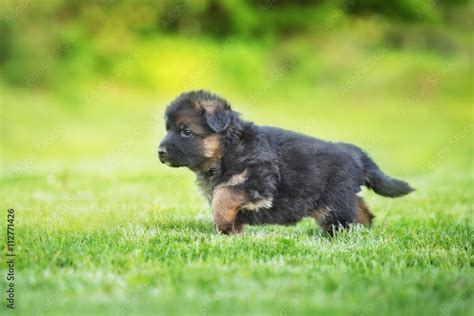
(363, 214)
(338, 210)
(331, 219)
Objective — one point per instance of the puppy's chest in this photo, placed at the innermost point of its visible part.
(206, 185)
(209, 183)
(255, 201)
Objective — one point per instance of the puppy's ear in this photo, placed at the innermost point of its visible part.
(218, 116)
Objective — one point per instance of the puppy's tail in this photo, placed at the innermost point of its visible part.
(380, 183)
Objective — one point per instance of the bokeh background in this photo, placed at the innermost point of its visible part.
(83, 87)
(89, 74)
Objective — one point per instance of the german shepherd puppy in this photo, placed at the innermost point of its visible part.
(266, 175)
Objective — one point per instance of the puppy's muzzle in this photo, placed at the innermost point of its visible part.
(163, 149)
(162, 154)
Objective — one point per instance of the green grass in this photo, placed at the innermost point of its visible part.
(103, 228)
(143, 243)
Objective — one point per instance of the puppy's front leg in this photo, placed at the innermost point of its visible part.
(226, 203)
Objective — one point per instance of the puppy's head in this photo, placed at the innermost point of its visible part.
(195, 124)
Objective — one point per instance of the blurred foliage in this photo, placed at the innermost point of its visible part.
(83, 86)
(45, 44)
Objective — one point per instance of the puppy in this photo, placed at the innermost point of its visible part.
(265, 175)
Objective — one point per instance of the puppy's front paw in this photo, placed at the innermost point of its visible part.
(228, 228)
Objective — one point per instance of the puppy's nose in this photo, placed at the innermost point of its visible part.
(162, 152)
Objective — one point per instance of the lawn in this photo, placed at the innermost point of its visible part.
(101, 227)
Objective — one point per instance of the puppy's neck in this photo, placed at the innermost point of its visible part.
(209, 168)
(224, 143)
(208, 178)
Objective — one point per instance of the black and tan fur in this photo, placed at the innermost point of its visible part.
(265, 175)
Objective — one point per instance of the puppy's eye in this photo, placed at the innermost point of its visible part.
(186, 132)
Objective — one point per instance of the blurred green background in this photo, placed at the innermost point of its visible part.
(83, 87)
(96, 71)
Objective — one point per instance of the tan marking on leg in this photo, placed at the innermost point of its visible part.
(321, 214)
(363, 214)
(226, 203)
(236, 179)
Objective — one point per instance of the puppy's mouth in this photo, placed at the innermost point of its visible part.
(163, 160)
(168, 162)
